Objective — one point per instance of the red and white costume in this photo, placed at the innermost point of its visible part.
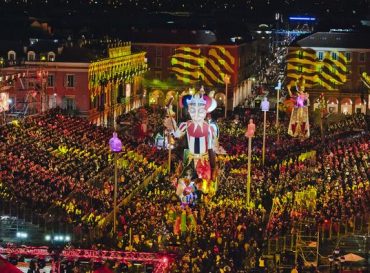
(200, 135)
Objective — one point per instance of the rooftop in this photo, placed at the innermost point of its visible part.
(335, 39)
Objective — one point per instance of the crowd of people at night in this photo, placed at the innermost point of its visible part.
(219, 234)
(60, 163)
(64, 162)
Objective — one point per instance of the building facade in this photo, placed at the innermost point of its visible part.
(98, 84)
(176, 68)
(334, 63)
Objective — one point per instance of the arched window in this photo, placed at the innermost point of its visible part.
(51, 56)
(12, 55)
(31, 56)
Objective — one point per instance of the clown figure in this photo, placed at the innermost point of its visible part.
(199, 133)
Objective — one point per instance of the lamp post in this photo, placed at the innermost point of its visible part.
(226, 81)
(115, 146)
(170, 143)
(177, 107)
(249, 134)
(277, 88)
(265, 106)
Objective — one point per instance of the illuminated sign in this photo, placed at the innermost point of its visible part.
(293, 18)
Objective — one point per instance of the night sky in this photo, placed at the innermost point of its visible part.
(350, 7)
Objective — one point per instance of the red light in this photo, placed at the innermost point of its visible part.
(165, 260)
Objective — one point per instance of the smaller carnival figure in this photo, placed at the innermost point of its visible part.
(299, 124)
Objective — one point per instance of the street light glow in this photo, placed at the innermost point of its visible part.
(22, 235)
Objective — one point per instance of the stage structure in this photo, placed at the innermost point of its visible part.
(160, 262)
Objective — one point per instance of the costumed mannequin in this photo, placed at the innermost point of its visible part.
(299, 124)
(200, 134)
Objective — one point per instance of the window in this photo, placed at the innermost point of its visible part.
(361, 57)
(31, 56)
(70, 81)
(11, 55)
(334, 56)
(158, 62)
(51, 56)
(320, 55)
(348, 56)
(70, 103)
(50, 80)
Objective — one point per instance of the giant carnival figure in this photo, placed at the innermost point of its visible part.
(299, 124)
(200, 134)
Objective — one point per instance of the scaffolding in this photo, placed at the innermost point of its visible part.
(32, 82)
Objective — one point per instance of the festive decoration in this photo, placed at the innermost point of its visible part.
(208, 65)
(299, 124)
(200, 134)
(159, 261)
(115, 143)
(265, 105)
(365, 79)
(121, 66)
(251, 129)
(329, 71)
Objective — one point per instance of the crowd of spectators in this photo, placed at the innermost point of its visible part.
(219, 234)
(64, 163)
(55, 160)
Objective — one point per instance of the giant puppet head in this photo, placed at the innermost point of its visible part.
(198, 106)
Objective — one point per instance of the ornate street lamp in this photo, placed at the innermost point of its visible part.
(115, 146)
